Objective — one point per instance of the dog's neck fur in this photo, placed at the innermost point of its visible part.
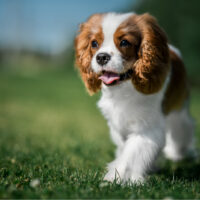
(128, 110)
(125, 93)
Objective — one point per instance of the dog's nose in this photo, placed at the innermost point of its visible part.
(103, 58)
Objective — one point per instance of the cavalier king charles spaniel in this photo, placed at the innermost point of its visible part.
(145, 95)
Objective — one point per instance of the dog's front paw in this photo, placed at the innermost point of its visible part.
(115, 172)
(136, 179)
(110, 176)
(113, 175)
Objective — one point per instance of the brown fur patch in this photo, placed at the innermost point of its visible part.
(89, 31)
(178, 89)
(129, 31)
(152, 65)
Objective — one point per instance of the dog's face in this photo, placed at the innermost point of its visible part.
(115, 54)
(112, 48)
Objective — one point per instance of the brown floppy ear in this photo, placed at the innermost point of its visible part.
(151, 68)
(83, 57)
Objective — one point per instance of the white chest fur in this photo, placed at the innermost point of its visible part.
(127, 110)
(138, 127)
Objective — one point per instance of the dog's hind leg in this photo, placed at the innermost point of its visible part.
(179, 135)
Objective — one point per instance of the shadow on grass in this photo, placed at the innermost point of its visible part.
(187, 169)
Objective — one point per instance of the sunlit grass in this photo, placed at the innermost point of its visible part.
(52, 134)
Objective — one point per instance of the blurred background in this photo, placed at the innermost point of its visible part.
(44, 108)
(40, 33)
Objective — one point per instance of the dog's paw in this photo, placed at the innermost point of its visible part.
(112, 175)
(136, 180)
(116, 172)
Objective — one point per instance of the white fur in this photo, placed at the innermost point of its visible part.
(179, 135)
(175, 50)
(137, 128)
(110, 23)
(137, 124)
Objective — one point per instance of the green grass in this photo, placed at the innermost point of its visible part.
(51, 131)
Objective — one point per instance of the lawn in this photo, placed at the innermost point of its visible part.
(54, 143)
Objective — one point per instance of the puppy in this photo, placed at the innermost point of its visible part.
(144, 90)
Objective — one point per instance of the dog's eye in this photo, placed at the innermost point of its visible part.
(94, 44)
(125, 43)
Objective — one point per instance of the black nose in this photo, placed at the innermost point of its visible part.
(103, 58)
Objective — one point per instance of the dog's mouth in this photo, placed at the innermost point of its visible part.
(111, 78)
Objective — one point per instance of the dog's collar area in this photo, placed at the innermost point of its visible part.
(126, 75)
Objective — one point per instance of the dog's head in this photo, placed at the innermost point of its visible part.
(112, 48)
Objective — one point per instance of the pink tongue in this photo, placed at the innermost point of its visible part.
(109, 77)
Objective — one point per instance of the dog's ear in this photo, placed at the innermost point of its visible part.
(91, 81)
(83, 56)
(151, 68)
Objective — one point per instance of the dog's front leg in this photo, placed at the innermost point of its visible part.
(137, 156)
